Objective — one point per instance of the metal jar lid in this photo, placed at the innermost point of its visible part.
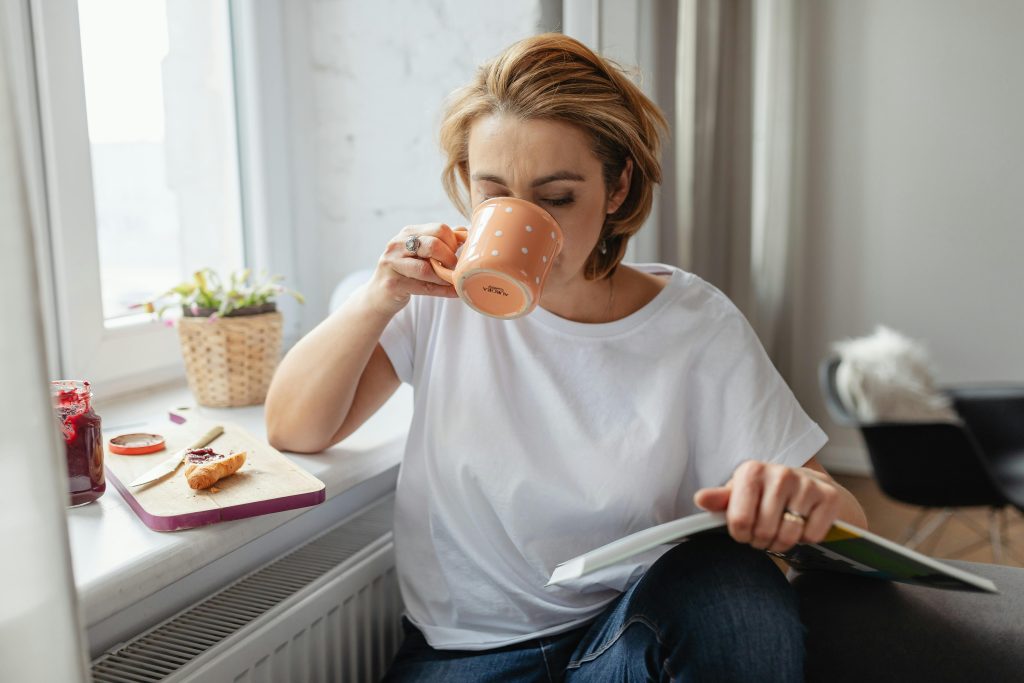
(138, 443)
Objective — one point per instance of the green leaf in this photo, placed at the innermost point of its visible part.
(206, 289)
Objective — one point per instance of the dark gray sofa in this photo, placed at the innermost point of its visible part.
(867, 630)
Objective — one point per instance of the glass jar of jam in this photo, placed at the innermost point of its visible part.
(72, 401)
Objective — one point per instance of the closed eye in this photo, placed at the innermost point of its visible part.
(560, 201)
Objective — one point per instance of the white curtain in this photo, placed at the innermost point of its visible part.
(777, 223)
(738, 84)
(713, 132)
(40, 635)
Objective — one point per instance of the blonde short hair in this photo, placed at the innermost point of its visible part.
(554, 77)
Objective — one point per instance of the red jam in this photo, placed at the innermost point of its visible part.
(83, 440)
(198, 456)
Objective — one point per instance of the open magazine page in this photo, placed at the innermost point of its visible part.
(627, 546)
(846, 549)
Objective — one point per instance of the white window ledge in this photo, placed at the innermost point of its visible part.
(130, 577)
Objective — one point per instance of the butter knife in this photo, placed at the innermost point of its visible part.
(171, 464)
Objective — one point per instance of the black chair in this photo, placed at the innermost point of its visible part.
(995, 416)
(945, 466)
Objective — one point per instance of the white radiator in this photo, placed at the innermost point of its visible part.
(328, 611)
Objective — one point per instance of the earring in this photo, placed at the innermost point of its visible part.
(602, 247)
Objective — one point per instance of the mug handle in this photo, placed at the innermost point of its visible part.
(444, 273)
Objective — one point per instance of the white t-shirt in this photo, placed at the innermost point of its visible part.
(535, 440)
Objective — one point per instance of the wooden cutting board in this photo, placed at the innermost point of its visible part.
(267, 482)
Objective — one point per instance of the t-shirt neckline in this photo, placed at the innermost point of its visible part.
(630, 322)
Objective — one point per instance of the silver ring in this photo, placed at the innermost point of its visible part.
(791, 516)
(412, 245)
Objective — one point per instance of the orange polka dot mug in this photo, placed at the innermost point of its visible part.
(506, 258)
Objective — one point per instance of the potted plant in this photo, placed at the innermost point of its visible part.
(230, 332)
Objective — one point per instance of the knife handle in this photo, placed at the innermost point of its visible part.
(207, 437)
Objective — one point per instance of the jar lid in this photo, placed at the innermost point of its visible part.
(138, 443)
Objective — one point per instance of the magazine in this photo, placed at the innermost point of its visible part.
(846, 548)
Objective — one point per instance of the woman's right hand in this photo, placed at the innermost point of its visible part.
(400, 273)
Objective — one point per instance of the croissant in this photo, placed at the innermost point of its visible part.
(206, 467)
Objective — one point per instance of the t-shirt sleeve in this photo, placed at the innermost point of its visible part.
(399, 341)
(743, 408)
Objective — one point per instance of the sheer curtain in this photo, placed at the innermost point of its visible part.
(713, 131)
(40, 636)
(777, 221)
(738, 81)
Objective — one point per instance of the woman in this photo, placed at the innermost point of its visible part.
(631, 396)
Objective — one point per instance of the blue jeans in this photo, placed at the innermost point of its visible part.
(710, 609)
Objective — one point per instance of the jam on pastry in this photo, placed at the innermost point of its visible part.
(205, 467)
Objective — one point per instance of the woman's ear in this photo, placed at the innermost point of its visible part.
(621, 189)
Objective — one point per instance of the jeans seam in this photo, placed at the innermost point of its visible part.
(544, 656)
(636, 619)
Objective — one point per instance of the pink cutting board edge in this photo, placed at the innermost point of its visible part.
(191, 520)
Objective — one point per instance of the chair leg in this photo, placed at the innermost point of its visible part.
(930, 545)
(913, 526)
(969, 522)
(994, 535)
(936, 522)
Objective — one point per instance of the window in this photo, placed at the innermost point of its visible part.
(159, 150)
(159, 94)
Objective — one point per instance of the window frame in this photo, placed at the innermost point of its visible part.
(88, 348)
(135, 354)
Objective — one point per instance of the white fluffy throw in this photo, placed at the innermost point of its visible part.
(885, 377)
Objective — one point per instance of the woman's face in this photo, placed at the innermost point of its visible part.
(551, 164)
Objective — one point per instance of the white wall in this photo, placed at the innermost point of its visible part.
(380, 73)
(916, 177)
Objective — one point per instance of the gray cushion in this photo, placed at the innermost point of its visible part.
(861, 629)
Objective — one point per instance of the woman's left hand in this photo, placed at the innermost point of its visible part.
(774, 507)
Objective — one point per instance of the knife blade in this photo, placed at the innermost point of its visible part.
(171, 463)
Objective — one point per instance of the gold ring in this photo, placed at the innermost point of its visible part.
(790, 516)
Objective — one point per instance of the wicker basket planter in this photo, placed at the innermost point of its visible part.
(229, 361)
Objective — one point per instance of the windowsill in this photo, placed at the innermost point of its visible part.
(118, 561)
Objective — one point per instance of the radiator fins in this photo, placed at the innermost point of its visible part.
(197, 632)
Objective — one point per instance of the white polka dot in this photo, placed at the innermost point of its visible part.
(544, 259)
(498, 233)
(494, 253)
(552, 234)
(525, 250)
(508, 209)
(538, 280)
(529, 228)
